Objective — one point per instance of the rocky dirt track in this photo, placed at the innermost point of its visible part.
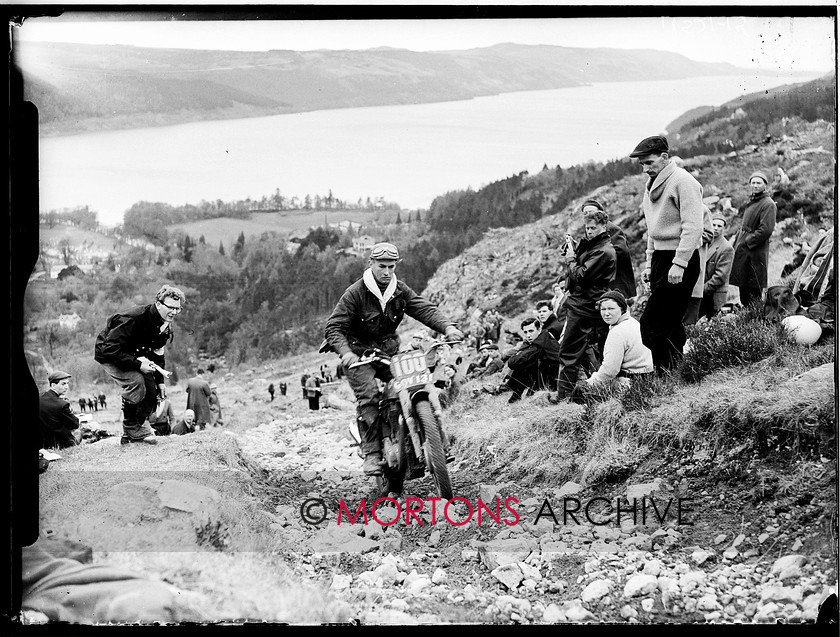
(741, 559)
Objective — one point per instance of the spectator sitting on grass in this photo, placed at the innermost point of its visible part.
(626, 359)
(186, 425)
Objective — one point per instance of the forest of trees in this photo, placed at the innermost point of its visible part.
(149, 220)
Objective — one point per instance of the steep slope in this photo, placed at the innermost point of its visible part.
(511, 268)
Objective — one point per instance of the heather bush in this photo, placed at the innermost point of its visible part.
(725, 342)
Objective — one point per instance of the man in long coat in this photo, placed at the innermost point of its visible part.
(752, 243)
(198, 399)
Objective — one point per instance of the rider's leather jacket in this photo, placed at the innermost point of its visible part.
(358, 322)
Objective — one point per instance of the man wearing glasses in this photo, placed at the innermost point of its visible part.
(365, 317)
(131, 350)
(673, 208)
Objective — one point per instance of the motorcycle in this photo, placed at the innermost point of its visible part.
(410, 414)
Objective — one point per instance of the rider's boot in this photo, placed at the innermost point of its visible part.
(373, 459)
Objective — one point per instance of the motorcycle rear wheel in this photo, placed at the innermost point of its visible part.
(434, 448)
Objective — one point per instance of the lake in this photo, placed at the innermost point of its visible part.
(406, 154)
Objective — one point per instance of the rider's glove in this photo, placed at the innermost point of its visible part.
(348, 359)
(452, 333)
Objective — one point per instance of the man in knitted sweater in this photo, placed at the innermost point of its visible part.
(673, 208)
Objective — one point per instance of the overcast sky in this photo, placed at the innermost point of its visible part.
(780, 43)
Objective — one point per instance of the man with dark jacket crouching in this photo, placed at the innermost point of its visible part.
(131, 350)
(534, 364)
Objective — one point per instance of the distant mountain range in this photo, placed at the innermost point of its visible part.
(94, 87)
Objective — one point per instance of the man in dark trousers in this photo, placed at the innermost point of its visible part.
(59, 427)
(591, 266)
(673, 208)
(271, 391)
(131, 350)
(367, 316)
(535, 363)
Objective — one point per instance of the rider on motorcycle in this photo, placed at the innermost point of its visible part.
(366, 317)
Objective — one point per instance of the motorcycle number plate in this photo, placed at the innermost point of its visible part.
(409, 370)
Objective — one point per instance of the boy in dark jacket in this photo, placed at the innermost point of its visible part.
(366, 317)
(131, 350)
(534, 364)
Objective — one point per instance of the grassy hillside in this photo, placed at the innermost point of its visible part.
(512, 268)
(91, 87)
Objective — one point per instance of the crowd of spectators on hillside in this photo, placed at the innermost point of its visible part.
(608, 330)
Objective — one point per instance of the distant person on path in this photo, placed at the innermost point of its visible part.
(198, 398)
(82, 404)
(625, 278)
(752, 243)
(162, 418)
(131, 350)
(303, 380)
(366, 316)
(283, 388)
(91, 403)
(591, 271)
(186, 425)
(673, 209)
(313, 392)
(215, 407)
(102, 401)
(625, 359)
(59, 427)
(535, 362)
(271, 392)
(718, 265)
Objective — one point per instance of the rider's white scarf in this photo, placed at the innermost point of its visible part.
(370, 284)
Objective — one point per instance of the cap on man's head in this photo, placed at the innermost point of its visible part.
(651, 146)
(720, 216)
(593, 202)
(58, 376)
(760, 175)
(385, 252)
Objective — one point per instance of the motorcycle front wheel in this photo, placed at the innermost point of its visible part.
(434, 448)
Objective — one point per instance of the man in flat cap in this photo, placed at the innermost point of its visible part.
(719, 254)
(59, 427)
(367, 316)
(131, 350)
(673, 208)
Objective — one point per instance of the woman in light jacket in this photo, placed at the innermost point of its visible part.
(625, 356)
